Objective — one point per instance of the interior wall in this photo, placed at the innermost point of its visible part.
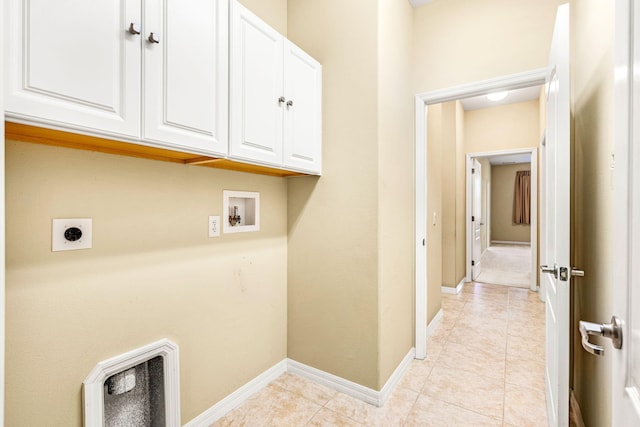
(592, 59)
(395, 186)
(502, 190)
(152, 273)
(333, 221)
(435, 203)
(449, 142)
(491, 38)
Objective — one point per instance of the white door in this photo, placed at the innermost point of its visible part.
(557, 217)
(74, 63)
(626, 279)
(303, 110)
(186, 74)
(257, 98)
(476, 218)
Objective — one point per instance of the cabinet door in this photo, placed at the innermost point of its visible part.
(256, 87)
(186, 74)
(303, 114)
(73, 65)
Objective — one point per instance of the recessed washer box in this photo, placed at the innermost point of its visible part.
(241, 211)
(71, 234)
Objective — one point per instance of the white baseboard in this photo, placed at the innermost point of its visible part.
(238, 397)
(456, 290)
(507, 242)
(366, 394)
(434, 322)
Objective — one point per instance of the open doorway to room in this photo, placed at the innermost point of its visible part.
(502, 218)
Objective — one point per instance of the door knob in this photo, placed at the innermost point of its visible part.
(134, 28)
(153, 38)
(611, 330)
(551, 270)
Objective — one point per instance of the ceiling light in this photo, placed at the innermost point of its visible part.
(498, 96)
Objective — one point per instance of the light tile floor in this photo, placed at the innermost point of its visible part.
(485, 367)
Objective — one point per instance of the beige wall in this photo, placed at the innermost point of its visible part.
(505, 127)
(435, 203)
(453, 196)
(333, 221)
(273, 12)
(592, 65)
(502, 187)
(395, 186)
(461, 41)
(152, 273)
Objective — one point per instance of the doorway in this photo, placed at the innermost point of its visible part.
(503, 243)
(422, 101)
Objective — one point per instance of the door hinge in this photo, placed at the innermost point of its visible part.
(473, 170)
(473, 218)
(473, 263)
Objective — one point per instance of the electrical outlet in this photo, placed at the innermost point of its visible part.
(71, 234)
(214, 226)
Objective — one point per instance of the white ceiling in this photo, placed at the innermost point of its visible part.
(510, 159)
(514, 96)
(418, 3)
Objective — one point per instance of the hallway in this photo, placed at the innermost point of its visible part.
(485, 367)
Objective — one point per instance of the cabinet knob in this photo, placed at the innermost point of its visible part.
(281, 100)
(134, 28)
(289, 103)
(153, 38)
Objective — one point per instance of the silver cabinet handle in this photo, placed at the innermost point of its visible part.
(153, 38)
(611, 330)
(551, 270)
(289, 103)
(134, 28)
(281, 100)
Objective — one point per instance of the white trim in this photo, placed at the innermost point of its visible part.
(93, 385)
(533, 236)
(435, 322)
(360, 392)
(395, 378)
(456, 290)
(420, 226)
(238, 397)
(513, 81)
(508, 242)
(484, 87)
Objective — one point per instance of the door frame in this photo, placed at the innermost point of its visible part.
(421, 103)
(533, 282)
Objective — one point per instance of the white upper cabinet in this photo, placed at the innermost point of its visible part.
(77, 65)
(303, 115)
(275, 97)
(186, 73)
(73, 65)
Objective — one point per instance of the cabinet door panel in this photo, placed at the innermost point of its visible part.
(74, 64)
(303, 118)
(186, 74)
(256, 86)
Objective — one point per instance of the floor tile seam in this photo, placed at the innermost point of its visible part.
(299, 395)
(314, 415)
(539, 390)
(458, 405)
(466, 371)
(413, 405)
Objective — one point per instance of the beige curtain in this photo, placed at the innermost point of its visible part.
(521, 198)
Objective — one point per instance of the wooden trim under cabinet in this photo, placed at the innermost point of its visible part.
(34, 134)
